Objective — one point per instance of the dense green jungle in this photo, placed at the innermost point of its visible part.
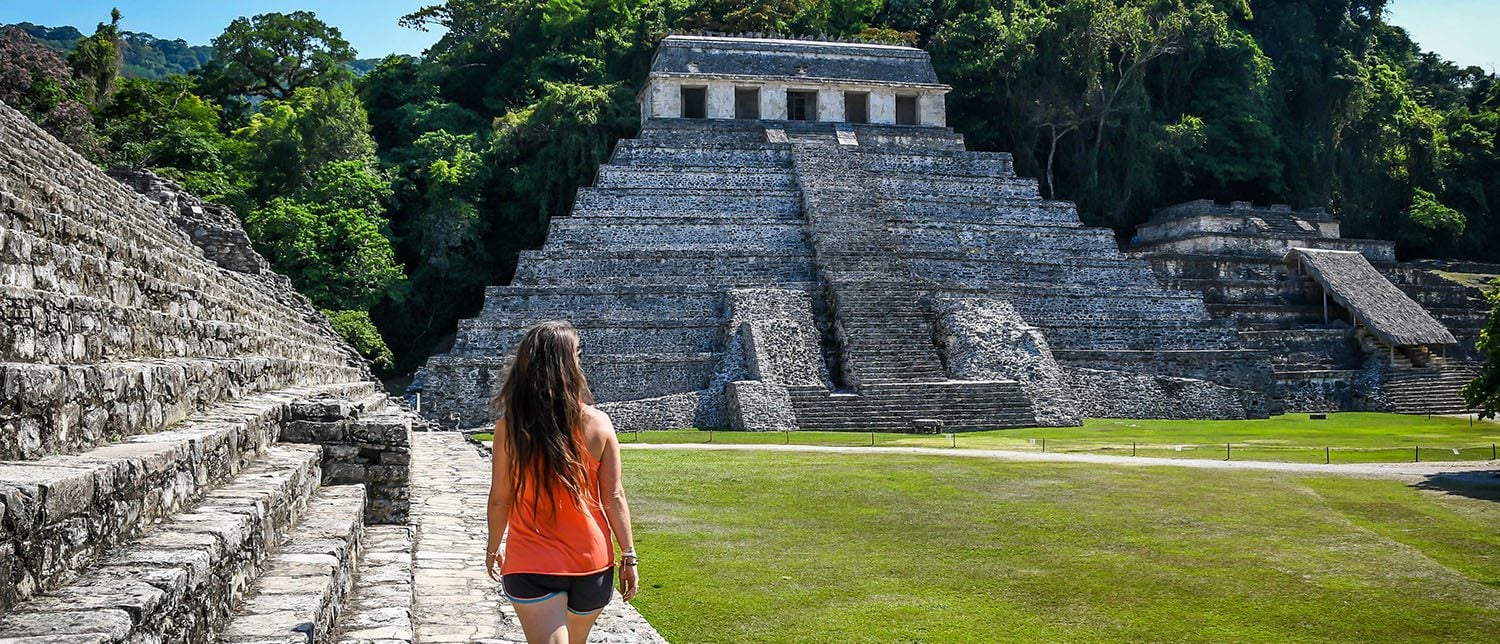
(393, 191)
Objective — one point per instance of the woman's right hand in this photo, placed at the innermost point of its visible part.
(630, 581)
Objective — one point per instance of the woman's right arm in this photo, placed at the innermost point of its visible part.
(616, 508)
(500, 498)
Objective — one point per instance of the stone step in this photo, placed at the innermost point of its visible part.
(680, 178)
(996, 210)
(57, 254)
(77, 329)
(379, 609)
(612, 377)
(37, 271)
(634, 152)
(67, 408)
(699, 203)
(947, 187)
(301, 591)
(563, 268)
(592, 236)
(940, 163)
(980, 272)
(608, 336)
(178, 582)
(534, 304)
(962, 405)
(1006, 240)
(72, 508)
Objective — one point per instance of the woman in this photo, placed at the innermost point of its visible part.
(556, 485)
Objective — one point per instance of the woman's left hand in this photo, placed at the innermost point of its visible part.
(492, 564)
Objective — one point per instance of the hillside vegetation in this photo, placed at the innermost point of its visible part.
(404, 192)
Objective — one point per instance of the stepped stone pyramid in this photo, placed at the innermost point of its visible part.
(1335, 344)
(189, 453)
(796, 240)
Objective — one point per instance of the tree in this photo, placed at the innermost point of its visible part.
(275, 54)
(289, 141)
(340, 258)
(38, 82)
(96, 60)
(1483, 393)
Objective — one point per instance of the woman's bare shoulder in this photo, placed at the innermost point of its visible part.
(595, 419)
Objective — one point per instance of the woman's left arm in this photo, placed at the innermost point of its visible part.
(501, 495)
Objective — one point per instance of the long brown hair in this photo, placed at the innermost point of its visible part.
(542, 402)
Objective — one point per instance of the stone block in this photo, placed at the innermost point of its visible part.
(759, 406)
(306, 431)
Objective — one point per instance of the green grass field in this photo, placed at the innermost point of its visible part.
(1349, 437)
(763, 547)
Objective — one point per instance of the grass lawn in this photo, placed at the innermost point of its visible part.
(1352, 437)
(1482, 281)
(765, 547)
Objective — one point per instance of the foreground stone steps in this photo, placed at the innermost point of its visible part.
(74, 407)
(69, 509)
(379, 609)
(300, 594)
(101, 294)
(178, 582)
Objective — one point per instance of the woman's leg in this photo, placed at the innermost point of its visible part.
(587, 596)
(544, 620)
(579, 625)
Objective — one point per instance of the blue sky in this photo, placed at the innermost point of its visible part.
(1465, 31)
(370, 25)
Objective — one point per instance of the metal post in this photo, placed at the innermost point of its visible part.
(872, 439)
(1226, 451)
(710, 435)
(1416, 455)
(1132, 448)
(788, 437)
(1044, 446)
(1327, 455)
(1492, 452)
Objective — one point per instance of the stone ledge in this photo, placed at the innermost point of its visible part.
(301, 591)
(178, 581)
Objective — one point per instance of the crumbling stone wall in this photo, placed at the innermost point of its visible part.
(1120, 394)
(362, 445)
(985, 339)
(778, 339)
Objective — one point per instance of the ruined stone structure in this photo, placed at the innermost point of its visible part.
(188, 452)
(1345, 325)
(847, 265)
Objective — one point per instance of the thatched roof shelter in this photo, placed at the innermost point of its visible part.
(1349, 279)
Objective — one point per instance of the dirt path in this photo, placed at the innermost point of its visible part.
(1483, 473)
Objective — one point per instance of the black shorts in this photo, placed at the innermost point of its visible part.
(586, 593)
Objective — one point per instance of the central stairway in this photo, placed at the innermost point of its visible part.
(885, 335)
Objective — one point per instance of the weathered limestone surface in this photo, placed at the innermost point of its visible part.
(1233, 255)
(988, 340)
(874, 224)
(365, 443)
(153, 370)
(456, 601)
(1121, 394)
(380, 608)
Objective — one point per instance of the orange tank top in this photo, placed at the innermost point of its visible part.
(565, 540)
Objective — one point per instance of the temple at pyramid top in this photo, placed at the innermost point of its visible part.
(711, 77)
